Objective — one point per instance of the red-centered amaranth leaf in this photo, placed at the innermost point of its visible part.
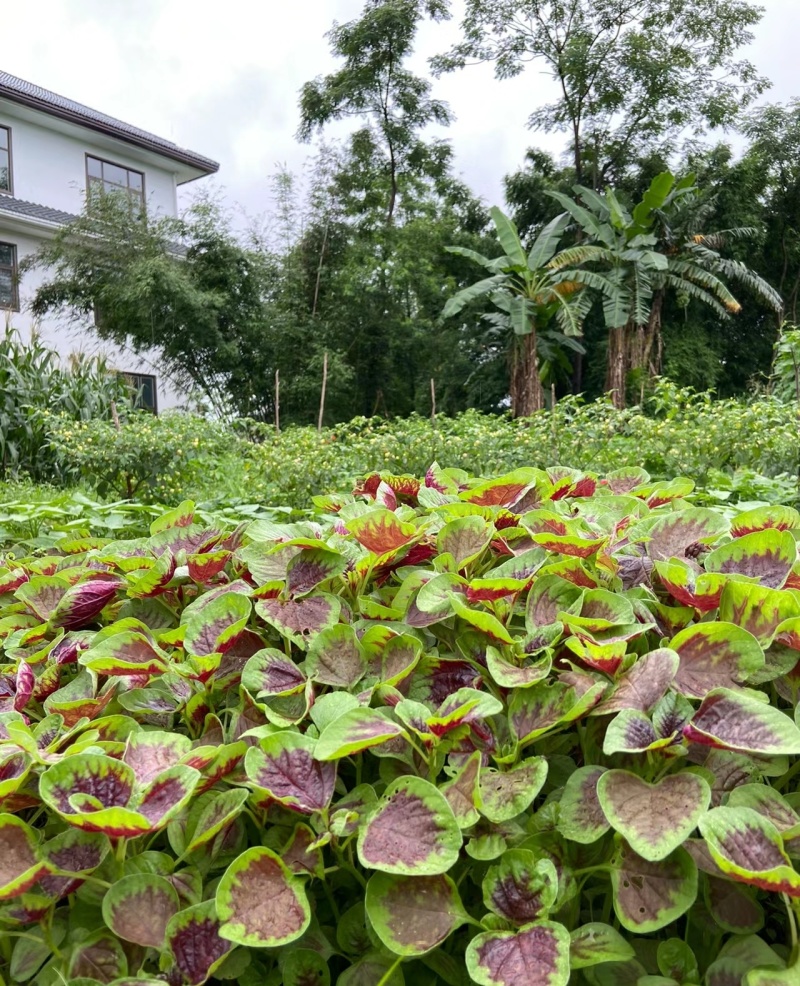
(411, 831)
(581, 817)
(271, 672)
(195, 943)
(356, 730)
(336, 658)
(466, 705)
(72, 852)
(502, 491)
(20, 862)
(747, 847)
(81, 603)
(766, 555)
(216, 627)
(643, 685)
(152, 581)
(734, 721)
(537, 955)
(126, 653)
(139, 907)
(166, 794)
(283, 766)
(381, 531)
(260, 902)
(778, 518)
(311, 566)
(520, 888)
(149, 753)
(502, 795)
(413, 914)
(41, 594)
(714, 655)
(650, 895)
(653, 818)
(204, 568)
(671, 534)
(299, 855)
(300, 618)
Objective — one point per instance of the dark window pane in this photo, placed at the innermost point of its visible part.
(6, 255)
(144, 390)
(6, 288)
(94, 168)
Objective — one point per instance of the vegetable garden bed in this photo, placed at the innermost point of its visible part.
(540, 729)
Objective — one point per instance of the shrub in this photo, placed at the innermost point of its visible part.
(537, 729)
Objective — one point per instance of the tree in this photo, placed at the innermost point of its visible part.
(633, 75)
(374, 85)
(634, 258)
(186, 288)
(529, 292)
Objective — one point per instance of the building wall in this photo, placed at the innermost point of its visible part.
(49, 168)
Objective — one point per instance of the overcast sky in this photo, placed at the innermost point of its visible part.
(222, 78)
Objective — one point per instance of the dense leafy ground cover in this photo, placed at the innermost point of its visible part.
(742, 450)
(538, 729)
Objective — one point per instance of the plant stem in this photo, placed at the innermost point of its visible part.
(792, 923)
(390, 971)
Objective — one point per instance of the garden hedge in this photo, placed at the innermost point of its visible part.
(539, 729)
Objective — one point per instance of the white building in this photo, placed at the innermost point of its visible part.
(52, 150)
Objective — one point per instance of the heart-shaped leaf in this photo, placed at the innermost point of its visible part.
(260, 902)
(537, 955)
(520, 888)
(139, 907)
(411, 831)
(650, 895)
(653, 818)
(413, 914)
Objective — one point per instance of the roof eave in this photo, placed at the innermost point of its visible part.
(202, 166)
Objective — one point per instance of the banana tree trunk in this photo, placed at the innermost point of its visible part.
(646, 343)
(526, 387)
(617, 364)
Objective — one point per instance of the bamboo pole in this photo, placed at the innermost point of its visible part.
(277, 402)
(322, 394)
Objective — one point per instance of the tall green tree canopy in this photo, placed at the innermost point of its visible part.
(374, 85)
(632, 75)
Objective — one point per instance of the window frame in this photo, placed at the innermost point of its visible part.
(93, 180)
(131, 376)
(10, 189)
(14, 306)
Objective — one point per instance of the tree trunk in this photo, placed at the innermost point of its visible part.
(526, 387)
(647, 349)
(617, 364)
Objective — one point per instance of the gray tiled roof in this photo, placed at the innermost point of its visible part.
(30, 210)
(35, 97)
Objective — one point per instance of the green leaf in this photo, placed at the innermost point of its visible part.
(594, 943)
(509, 237)
(260, 902)
(748, 847)
(581, 817)
(653, 818)
(737, 722)
(413, 914)
(355, 731)
(20, 863)
(502, 795)
(650, 895)
(714, 655)
(138, 908)
(537, 955)
(411, 831)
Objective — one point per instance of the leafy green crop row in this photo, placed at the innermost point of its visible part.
(538, 729)
(166, 458)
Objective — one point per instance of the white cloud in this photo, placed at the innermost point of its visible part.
(223, 78)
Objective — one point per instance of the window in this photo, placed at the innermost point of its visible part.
(8, 277)
(5, 159)
(103, 177)
(145, 395)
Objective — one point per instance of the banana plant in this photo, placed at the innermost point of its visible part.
(632, 259)
(529, 291)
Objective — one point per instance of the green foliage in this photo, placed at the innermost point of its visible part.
(785, 382)
(540, 728)
(144, 456)
(632, 76)
(35, 384)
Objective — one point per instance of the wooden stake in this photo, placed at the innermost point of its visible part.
(322, 395)
(277, 402)
(552, 396)
(433, 400)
